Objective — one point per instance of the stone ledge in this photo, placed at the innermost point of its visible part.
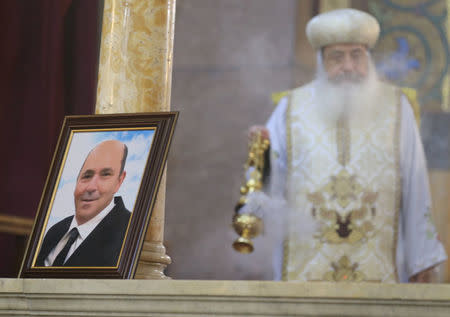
(53, 297)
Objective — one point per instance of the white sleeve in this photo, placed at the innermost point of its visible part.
(278, 169)
(418, 245)
(278, 154)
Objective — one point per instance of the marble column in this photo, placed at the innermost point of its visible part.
(135, 76)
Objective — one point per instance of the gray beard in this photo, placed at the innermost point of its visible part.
(349, 98)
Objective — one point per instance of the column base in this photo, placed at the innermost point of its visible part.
(152, 262)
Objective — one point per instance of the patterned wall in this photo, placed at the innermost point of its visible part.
(414, 32)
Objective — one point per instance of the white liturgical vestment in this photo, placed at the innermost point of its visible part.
(383, 232)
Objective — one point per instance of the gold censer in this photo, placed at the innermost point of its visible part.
(248, 225)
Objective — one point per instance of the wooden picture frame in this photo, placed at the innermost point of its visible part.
(148, 137)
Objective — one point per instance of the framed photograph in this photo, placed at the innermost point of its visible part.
(99, 195)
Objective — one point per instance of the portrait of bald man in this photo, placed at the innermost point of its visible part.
(94, 235)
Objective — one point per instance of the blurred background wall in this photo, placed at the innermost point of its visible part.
(228, 58)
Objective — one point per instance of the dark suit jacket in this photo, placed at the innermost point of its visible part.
(102, 246)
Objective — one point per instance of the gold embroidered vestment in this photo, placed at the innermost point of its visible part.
(344, 173)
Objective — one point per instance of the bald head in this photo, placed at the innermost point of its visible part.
(111, 148)
(99, 179)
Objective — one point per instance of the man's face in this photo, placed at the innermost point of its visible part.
(346, 62)
(98, 180)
